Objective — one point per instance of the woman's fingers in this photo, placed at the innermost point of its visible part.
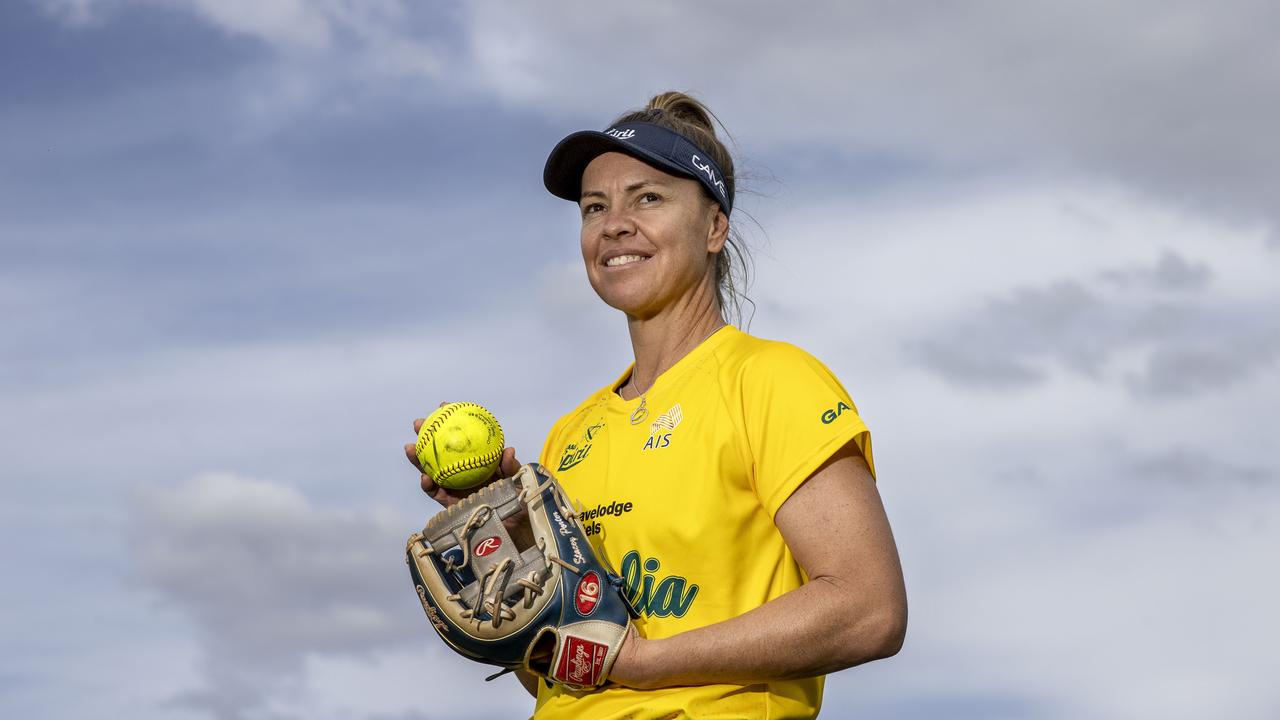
(411, 453)
(429, 486)
(508, 465)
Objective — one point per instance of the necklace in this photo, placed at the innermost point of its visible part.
(642, 411)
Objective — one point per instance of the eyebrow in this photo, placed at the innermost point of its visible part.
(628, 189)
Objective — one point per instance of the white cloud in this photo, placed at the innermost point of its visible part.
(268, 579)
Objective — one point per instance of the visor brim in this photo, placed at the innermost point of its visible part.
(562, 174)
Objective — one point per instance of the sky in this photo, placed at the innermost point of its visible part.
(244, 243)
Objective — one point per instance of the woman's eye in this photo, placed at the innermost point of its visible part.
(591, 209)
(650, 197)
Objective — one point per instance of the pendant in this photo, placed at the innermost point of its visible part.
(641, 413)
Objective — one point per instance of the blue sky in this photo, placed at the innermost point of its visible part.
(243, 244)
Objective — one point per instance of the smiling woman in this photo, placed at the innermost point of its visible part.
(750, 535)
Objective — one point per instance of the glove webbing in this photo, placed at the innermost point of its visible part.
(487, 595)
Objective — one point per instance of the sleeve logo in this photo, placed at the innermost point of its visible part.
(830, 416)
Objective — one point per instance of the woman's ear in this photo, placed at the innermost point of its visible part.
(719, 232)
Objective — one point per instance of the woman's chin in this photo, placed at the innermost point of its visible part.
(632, 307)
(634, 299)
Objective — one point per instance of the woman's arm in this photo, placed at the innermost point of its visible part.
(853, 609)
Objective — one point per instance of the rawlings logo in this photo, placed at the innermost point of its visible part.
(588, 594)
(488, 546)
(620, 134)
(581, 661)
(434, 617)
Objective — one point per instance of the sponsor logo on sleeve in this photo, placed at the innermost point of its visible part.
(829, 416)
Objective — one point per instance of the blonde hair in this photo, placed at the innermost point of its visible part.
(684, 114)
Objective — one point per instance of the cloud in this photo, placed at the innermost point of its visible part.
(268, 579)
(1091, 327)
(1184, 466)
(1165, 96)
(1172, 272)
(288, 25)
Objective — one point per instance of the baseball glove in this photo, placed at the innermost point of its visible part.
(552, 608)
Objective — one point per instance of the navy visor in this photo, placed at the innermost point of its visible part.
(664, 149)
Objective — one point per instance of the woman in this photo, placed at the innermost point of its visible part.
(728, 478)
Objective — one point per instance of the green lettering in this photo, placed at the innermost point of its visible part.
(670, 597)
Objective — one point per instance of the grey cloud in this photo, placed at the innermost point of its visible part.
(1198, 366)
(267, 578)
(1172, 272)
(1004, 345)
(1169, 97)
(1186, 346)
(1187, 467)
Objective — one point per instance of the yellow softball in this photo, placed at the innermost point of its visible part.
(459, 445)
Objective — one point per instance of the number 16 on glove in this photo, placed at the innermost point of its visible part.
(553, 608)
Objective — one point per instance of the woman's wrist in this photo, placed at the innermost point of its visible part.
(634, 666)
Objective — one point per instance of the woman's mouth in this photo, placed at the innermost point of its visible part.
(624, 260)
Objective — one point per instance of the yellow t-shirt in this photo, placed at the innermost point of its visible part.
(679, 493)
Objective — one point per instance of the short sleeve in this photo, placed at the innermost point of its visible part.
(796, 415)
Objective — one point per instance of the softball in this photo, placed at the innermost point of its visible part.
(459, 445)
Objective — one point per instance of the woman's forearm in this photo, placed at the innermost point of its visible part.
(821, 627)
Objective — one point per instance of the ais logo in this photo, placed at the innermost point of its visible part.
(660, 430)
(830, 416)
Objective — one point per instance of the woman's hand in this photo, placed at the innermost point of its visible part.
(507, 466)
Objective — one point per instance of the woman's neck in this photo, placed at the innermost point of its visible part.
(660, 341)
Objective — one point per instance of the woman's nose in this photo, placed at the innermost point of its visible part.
(617, 223)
